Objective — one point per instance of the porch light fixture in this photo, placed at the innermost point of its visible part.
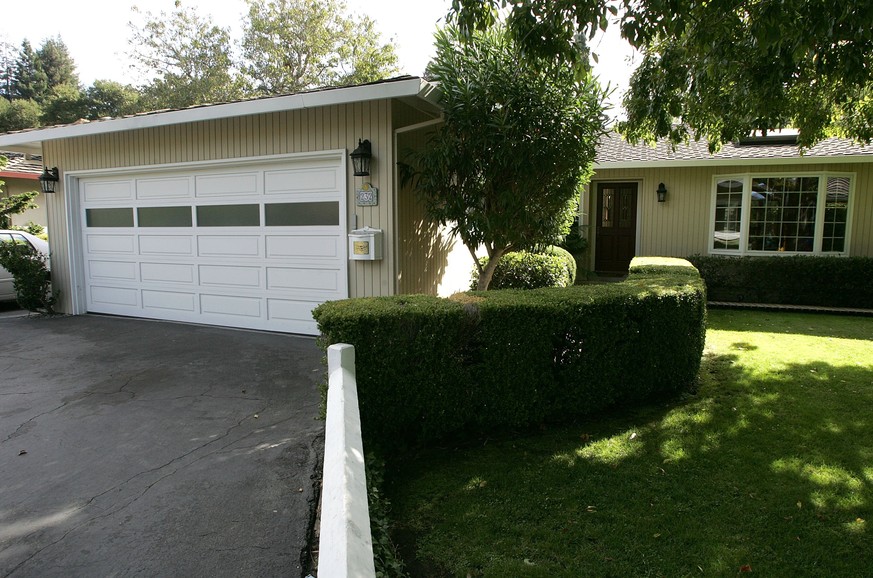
(48, 178)
(361, 158)
(662, 193)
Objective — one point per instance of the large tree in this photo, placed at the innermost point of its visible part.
(292, 45)
(714, 69)
(188, 59)
(29, 79)
(504, 170)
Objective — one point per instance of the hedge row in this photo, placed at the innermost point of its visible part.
(428, 367)
(795, 280)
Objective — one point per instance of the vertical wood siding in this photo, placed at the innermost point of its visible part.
(296, 131)
(680, 226)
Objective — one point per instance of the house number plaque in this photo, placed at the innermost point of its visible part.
(367, 196)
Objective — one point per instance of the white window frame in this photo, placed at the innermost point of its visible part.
(746, 211)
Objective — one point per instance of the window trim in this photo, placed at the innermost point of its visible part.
(745, 213)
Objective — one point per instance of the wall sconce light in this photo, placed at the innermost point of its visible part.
(662, 193)
(48, 179)
(361, 158)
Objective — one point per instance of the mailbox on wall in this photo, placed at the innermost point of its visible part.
(365, 244)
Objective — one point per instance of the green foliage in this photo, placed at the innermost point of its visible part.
(188, 58)
(795, 280)
(14, 204)
(385, 556)
(518, 139)
(19, 114)
(107, 98)
(715, 70)
(430, 367)
(30, 80)
(65, 104)
(31, 278)
(526, 270)
(292, 45)
(34, 229)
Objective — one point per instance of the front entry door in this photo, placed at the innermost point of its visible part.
(616, 227)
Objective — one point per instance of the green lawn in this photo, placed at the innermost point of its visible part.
(768, 468)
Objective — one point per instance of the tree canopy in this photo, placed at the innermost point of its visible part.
(503, 171)
(715, 70)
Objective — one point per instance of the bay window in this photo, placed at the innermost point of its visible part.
(798, 214)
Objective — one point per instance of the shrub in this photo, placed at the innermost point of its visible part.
(31, 278)
(525, 270)
(430, 367)
(795, 280)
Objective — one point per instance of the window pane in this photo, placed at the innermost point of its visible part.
(836, 214)
(109, 217)
(228, 216)
(607, 200)
(785, 208)
(164, 216)
(728, 214)
(301, 214)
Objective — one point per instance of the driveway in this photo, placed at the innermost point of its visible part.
(140, 448)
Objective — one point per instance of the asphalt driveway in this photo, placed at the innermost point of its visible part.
(139, 448)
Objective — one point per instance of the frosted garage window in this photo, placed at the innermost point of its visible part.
(228, 216)
(164, 216)
(109, 217)
(301, 214)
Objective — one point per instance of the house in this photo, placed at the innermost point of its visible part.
(21, 175)
(239, 214)
(759, 196)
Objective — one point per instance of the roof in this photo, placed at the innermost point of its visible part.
(21, 166)
(615, 152)
(405, 87)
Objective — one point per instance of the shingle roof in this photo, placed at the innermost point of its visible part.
(613, 149)
(19, 164)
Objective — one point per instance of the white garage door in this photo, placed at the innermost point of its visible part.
(250, 245)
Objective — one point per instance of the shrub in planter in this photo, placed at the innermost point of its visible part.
(31, 277)
(525, 270)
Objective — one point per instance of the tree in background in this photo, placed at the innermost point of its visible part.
(109, 99)
(188, 58)
(19, 114)
(7, 64)
(29, 81)
(292, 45)
(714, 70)
(13, 204)
(503, 172)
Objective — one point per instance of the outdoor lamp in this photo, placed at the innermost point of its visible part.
(361, 158)
(48, 178)
(662, 193)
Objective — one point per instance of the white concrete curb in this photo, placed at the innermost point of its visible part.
(345, 547)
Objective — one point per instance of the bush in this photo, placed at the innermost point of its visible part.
(795, 280)
(524, 270)
(31, 278)
(430, 367)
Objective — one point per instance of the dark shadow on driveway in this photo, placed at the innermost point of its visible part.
(132, 447)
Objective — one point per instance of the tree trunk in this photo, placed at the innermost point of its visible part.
(487, 272)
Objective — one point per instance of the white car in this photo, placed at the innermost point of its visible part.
(7, 292)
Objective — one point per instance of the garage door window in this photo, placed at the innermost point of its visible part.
(164, 216)
(301, 214)
(229, 216)
(109, 217)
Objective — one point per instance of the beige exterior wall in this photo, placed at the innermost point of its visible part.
(296, 131)
(17, 186)
(680, 226)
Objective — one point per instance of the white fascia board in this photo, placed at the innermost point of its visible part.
(411, 87)
(805, 160)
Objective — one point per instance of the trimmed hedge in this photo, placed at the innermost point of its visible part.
(795, 280)
(555, 267)
(429, 367)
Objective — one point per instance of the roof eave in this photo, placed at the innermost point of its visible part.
(415, 86)
(837, 159)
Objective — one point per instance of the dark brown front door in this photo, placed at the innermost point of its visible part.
(616, 227)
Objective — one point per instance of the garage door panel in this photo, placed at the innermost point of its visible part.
(167, 273)
(165, 188)
(115, 296)
(125, 244)
(166, 245)
(227, 185)
(231, 305)
(103, 191)
(307, 246)
(229, 246)
(169, 300)
(124, 270)
(255, 244)
(302, 279)
(230, 276)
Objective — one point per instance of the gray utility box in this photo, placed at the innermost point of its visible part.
(365, 244)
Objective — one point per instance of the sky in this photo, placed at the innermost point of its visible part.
(96, 32)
